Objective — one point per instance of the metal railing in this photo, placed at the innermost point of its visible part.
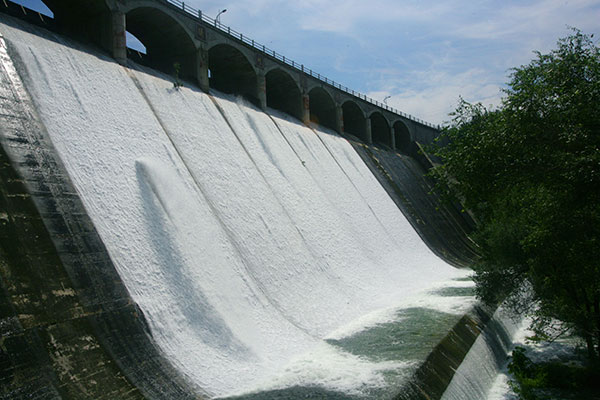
(300, 67)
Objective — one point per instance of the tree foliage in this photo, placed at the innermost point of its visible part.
(529, 171)
(551, 379)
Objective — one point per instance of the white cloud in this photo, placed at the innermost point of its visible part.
(534, 19)
(423, 53)
(437, 96)
(350, 16)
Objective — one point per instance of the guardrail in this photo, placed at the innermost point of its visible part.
(300, 67)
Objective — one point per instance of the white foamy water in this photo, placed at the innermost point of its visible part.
(245, 238)
(480, 374)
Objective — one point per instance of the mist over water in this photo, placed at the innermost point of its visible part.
(263, 253)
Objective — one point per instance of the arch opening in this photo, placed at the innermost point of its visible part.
(168, 46)
(135, 44)
(402, 137)
(283, 93)
(380, 130)
(84, 21)
(37, 6)
(231, 72)
(354, 120)
(136, 51)
(34, 12)
(322, 108)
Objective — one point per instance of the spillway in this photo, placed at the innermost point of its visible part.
(263, 253)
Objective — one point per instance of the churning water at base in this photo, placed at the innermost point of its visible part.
(265, 256)
(485, 360)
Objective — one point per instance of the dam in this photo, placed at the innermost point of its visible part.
(160, 241)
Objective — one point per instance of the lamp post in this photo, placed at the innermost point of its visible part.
(219, 15)
(385, 99)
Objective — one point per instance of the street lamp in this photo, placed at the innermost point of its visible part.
(385, 99)
(219, 15)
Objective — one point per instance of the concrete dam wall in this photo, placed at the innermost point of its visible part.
(161, 242)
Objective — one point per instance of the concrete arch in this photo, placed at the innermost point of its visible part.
(283, 92)
(380, 129)
(355, 121)
(322, 107)
(402, 138)
(163, 7)
(251, 55)
(271, 65)
(310, 84)
(167, 41)
(232, 72)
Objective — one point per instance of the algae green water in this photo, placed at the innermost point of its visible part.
(407, 339)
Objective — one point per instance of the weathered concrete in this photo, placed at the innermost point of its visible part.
(202, 73)
(69, 328)
(433, 376)
(443, 227)
(368, 131)
(261, 84)
(339, 118)
(119, 45)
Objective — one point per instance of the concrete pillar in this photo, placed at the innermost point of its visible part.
(119, 40)
(368, 131)
(261, 89)
(393, 141)
(202, 69)
(305, 110)
(339, 119)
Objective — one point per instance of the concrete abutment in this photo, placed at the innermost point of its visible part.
(119, 39)
(202, 75)
(261, 90)
(339, 118)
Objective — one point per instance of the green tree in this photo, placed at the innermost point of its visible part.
(529, 171)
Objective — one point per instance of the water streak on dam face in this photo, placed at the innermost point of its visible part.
(251, 243)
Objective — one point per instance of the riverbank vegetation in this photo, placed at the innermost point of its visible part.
(529, 172)
(554, 379)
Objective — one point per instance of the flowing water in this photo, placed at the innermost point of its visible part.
(265, 256)
(485, 360)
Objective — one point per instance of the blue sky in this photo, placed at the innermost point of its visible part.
(424, 54)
